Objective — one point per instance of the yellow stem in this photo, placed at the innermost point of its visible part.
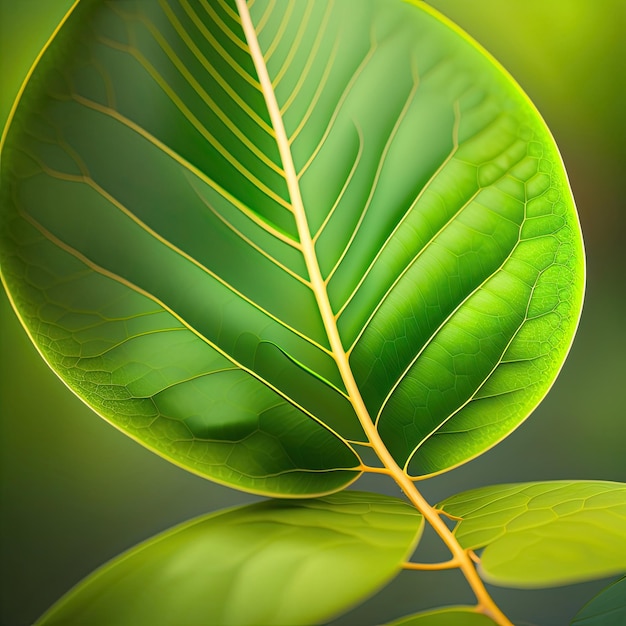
(451, 564)
(485, 604)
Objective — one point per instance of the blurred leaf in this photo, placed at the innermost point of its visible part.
(276, 562)
(450, 616)
(241, 275)
(608, 608)
(545, 533)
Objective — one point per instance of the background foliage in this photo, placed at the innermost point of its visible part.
(75, 492)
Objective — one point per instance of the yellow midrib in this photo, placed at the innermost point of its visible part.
(460, 556)
(306, 241)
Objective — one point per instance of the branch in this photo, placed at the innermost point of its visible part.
(451, 564)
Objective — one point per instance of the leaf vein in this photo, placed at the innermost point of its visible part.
(423, 190)
(200, 91)
(298, 38)
(392, 135)
(224, 84)
(197, 124)
(333, 118)
(251, 215)
(311, 57)
(133, 287)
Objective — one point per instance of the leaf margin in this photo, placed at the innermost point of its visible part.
(329, 506)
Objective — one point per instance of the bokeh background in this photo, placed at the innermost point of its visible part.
(75, 492)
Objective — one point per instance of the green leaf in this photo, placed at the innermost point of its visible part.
(543, 534)
(276, 562)
(608, 608)
(449, 616)
(255, 238)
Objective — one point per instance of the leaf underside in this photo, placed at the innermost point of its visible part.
(543, 534)
(156, 252)
(272, 563)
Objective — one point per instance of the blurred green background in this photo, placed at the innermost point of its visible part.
(75, 492)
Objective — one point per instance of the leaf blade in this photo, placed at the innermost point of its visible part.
(429, 292)
(606, 609)
(276, 562)
(543, 534)
(449, 616)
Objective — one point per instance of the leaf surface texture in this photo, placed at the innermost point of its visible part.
(243, 232)
(279, 562)
(543, 534)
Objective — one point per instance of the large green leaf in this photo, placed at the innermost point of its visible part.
(543, 534)
(448, 616)
(608, 608)
(247, 235)
(277, 562)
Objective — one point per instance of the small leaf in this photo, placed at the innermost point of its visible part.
(279, 562)
(608, 608)
(545, 533)
(449, 616)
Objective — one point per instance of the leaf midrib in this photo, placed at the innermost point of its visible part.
(318, 285)
(330, 325)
